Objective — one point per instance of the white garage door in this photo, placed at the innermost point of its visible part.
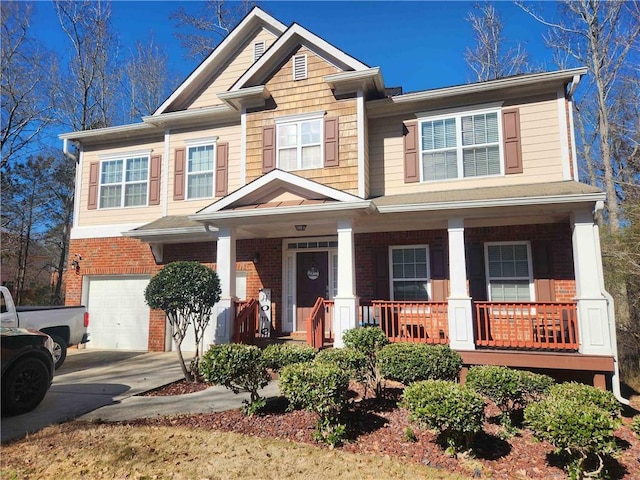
(118, 314)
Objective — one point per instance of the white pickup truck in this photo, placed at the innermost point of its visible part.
(67, 326)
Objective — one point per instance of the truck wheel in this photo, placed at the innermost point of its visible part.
(59, 350)
(24, 386)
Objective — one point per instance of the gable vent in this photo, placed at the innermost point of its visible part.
(299, 67)
(258, 50)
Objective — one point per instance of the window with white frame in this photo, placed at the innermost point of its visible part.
(509, 272)
(410, 273)
(200, 171)
(460, 145)
(299, 144)
(124, 182)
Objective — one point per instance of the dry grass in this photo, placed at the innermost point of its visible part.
(79, 450)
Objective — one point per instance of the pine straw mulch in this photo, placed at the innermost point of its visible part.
(379, 427)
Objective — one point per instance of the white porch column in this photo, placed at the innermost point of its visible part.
(226, 268)
(345, 312)
(594, 329)
(459, 311)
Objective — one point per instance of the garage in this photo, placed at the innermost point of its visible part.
(119, 316)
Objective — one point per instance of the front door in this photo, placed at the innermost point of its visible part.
(312, 281)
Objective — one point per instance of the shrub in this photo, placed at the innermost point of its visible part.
(321, 388)
(412, 362)
(239, 368)
(578, 420)
(454, 410)
(368, 341)
(635, 425)
(277, 356)
(346, 359)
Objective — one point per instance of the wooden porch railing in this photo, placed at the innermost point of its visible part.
(316, 323)
(527, 325)
(246, 322)
(419, 322)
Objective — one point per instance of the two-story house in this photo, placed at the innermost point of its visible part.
(451, 215)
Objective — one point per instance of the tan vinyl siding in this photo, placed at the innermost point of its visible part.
(232, 71)
(305, 96)
(230, 134)
(111, 216)
(541, 152)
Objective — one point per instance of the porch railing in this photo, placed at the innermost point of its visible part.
(246, 322)
(419, 322)
(527, 325)
(316, 323)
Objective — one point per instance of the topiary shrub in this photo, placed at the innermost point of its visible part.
(456, 411)
(280, 355)
(240, 368)
(412, 362)
(511, 390)
(187, 293)
(346, 359)
(368, 341)
(321, 388)
(579, 421)
(635, 425)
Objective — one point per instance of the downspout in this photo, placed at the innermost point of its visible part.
(65, 150)
(615, 379)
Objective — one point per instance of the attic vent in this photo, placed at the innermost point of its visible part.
(258, 50)
(299, 67)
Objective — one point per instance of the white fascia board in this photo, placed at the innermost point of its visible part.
(505, 202)
(246, 97)
(103, 132)
(236, 36)
(298, 183)
(172, 235)
(306, 36)
(357, 79)
(359, 205)
(174, 118)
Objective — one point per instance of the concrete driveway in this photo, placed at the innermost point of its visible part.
(90, 379)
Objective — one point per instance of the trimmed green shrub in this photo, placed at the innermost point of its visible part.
(456, 411)
(346, 359)
(586, 394)
(240, 368)
(635, 425)
(277, 356)
(368, 341)
(508, 388)
(320, 388)
(412, 362)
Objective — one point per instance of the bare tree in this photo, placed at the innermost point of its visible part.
(209, 25)
(601, 36)
(492, 56)
(87, 94)
(146, 82)
(25, 67)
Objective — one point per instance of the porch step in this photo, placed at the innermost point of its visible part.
(294, 338)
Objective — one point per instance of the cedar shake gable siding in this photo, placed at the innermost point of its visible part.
(289, 97)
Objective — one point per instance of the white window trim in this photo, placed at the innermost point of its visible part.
(298, 119)
(532, 290)
(306, 65)
(123, 158)
(203, 142)
(262, 43)
(458, 113)
(391, 277)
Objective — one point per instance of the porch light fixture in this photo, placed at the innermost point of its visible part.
(256, 258)
(301, 228)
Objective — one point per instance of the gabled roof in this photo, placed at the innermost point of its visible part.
(254, 20)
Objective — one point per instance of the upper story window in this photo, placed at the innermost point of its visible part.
(299, 67)
(200, 171)
(124, 182)
(299, 143)
(460, 145)
(509, 272)
(410, 273)
(258, 50)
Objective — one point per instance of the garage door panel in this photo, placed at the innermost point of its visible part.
(118, 312)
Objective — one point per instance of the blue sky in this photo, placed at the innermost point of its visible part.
(419, 45)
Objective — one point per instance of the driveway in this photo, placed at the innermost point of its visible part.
(90, 379)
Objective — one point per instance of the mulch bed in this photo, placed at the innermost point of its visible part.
(379, 427)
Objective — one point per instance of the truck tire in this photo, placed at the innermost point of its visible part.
(24, 386)
(59, 350)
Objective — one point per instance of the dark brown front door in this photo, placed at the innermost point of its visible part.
(312, 281)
